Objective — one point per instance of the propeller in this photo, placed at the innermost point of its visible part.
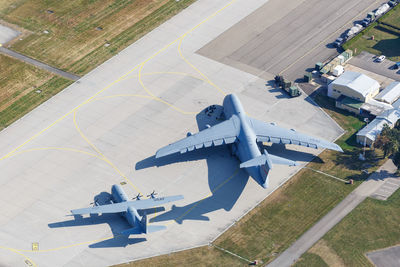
(138, 196)
(152, 194)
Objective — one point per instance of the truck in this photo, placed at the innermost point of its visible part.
(292, 90)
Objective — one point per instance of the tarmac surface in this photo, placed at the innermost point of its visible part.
(287, 37)
(367, 61)
(7, 34)
(367, 189)
(388, 257)
(105, 128)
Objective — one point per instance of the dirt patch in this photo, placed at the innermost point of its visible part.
(322, 249)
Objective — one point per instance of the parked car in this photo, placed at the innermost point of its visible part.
(366, 22)
(338, 42)
(380, 58)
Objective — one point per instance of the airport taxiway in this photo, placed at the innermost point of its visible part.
(105, 128)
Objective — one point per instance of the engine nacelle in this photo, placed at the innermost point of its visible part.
(188, 134)
(208, 126)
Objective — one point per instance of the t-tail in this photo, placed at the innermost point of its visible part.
(263, 165)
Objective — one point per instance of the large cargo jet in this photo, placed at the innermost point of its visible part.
(245, 135)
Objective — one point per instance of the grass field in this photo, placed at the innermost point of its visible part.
(309, 260)
(78, 30)
(31, 100)
(393, 17)
(386, 38)
(378, 221)
(287, 213)
(18, 79)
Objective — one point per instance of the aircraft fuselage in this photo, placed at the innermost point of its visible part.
(245, 147)
(131, 215)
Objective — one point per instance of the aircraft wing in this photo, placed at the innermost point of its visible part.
(267, 132)
(123, 206)
(221, 133)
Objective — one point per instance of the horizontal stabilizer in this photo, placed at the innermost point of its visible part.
(282, 161)
(267, 159)
(139, 230)
(155, 228)
(132, 231)
(258, 161)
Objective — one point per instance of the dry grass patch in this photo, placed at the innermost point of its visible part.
(31, 100)
(202, 256)
(18, 79)
(322, 249)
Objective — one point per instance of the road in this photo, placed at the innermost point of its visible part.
(287, 37)
(316, 232)
(39, 64)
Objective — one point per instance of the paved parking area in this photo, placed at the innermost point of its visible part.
(387, 189)
(388, 257)
(7, 34)
(367, 61)
(105, 128)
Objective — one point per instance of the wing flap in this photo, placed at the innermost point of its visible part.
(266, 132)
(219, 134)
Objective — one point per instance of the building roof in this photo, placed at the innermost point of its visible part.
(358, 82)
(374, 128)
(375, 107)
(390, 94)
(396, 104)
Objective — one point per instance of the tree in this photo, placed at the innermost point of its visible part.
(397, 125)
(383, 142)
(388, 140)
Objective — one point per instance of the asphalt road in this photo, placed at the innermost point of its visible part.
(367, 61)
(315, 233)
(287, 37)
(39, 64)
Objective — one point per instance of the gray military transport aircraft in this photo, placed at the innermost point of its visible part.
(129, 209)
(245, 136)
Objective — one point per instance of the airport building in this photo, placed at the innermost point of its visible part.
(353, 85)
(390, 94)
(369, 133)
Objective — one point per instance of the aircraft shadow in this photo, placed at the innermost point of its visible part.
(281, 151)
(226, 181)
(115, 221)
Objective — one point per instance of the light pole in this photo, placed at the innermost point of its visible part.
(365, 140)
